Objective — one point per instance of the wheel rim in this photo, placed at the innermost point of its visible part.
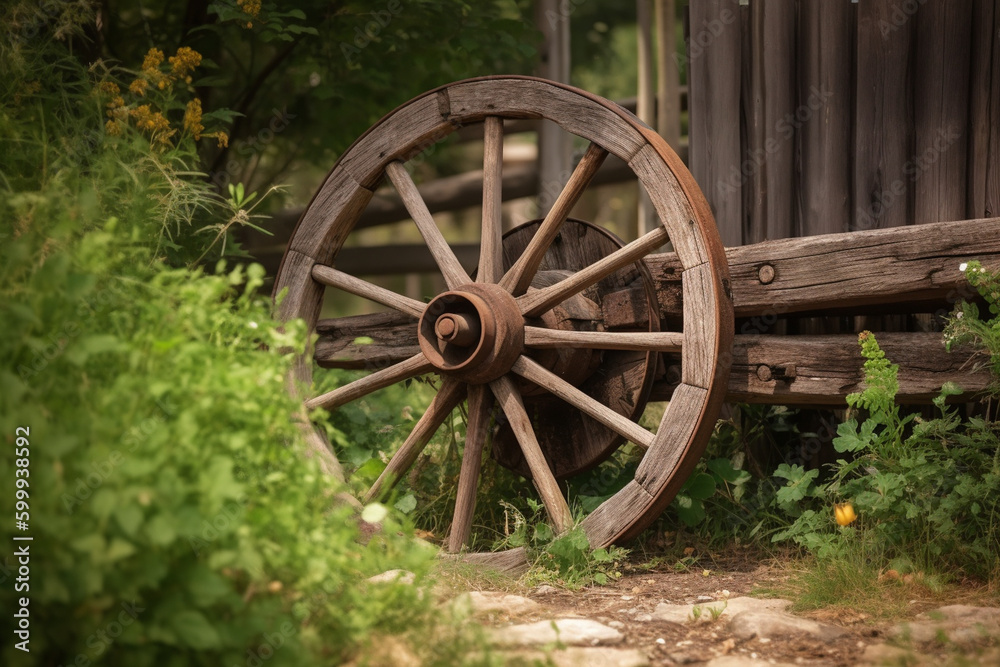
(673, 451)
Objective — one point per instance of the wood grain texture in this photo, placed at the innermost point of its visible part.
(393, 339)
(510, 561)
(545, 483)
(660, 341)
(607, 523)
(596, 120)
(701, 326)
(980, 88)
(770, 98)
(993, 166)
(451, 269)
(415, 365)
(551, 382)
(675, 431)
(518, 277)
(824, 118)
(491, 245)
(536, 302)
(671, 204)
(330, 216)
(480, 408)
(941, 110)
(883, 117)
(399, 135)
(362, 288)
(447, 398)
(714, 64)
(826, 368)
(842, 271)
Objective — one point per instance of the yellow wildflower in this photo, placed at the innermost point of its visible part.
(114, 128)
(251, 7)
(109, 88)
(152, 61)
(221, 137)
(138, 87)
(844, 513)
(192, 118)
(149, 120)
(184, 62)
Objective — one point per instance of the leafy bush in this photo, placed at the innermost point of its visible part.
(175, 520)
(927, 491)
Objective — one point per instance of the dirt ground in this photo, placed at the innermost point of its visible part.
(623, 603)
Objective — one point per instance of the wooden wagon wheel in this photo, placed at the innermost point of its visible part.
(479, 335)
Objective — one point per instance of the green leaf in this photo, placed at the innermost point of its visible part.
(700, 486)
(374, 513)
(724, 469)
(406, 504)
(195, 630)
(129, 517)
(691, 512)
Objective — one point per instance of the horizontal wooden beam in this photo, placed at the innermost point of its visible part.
(917, 264)
(789, 370)
(823, 370)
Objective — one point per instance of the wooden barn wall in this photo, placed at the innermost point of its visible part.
(820, 116)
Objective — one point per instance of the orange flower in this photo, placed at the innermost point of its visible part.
(844, 514)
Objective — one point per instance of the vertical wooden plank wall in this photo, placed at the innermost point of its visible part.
(891, 108)
(768, 103)
(940, 110)
(824, 159)
(714, 39)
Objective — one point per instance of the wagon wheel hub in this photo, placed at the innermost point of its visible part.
(474, 333)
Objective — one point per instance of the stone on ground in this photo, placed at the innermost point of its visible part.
(575, 656)
(958, 624)
(487, 602)
(390, 576)
(685, 613)
(767, 624)
(743, 661)
(566, 631)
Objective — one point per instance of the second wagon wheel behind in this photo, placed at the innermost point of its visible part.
(480, 336)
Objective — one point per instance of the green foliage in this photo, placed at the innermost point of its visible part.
(926, 491)
(176, 519)
(566, 560)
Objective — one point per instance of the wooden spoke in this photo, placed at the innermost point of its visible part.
(491, 246)
(519, 276)
(480, 406)
(348, 283)
(531, 370)
(643, 341)
(415, 365)
(538, 301)
(447, 398)
(454, 274)
(546, 484)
